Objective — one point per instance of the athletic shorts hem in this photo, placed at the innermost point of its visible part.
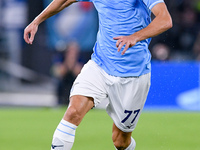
(123, 129)
(96, 102)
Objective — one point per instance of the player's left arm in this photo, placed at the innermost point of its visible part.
(161, 23)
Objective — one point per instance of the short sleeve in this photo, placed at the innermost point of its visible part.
(151, 3)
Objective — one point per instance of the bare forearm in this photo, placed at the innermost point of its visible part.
(53, 8)
(159, 25)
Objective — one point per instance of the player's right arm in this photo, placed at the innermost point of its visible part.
(53, 8)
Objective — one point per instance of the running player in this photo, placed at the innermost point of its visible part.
(119, 69)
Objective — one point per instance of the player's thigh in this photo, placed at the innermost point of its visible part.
(90, 83)
(126, 101)
(79, 105)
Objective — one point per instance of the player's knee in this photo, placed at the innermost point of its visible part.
(73, 115)
(119, 144)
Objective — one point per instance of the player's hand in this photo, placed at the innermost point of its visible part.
(29, 33)
(128, 41)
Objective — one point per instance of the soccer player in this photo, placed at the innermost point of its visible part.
(119, 69)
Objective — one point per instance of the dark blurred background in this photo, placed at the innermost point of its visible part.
(34, 74)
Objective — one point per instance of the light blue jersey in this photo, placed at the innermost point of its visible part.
(122, 18)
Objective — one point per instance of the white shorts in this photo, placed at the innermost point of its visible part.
(126, 96)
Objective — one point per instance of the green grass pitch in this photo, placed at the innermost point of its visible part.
(32, 129)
